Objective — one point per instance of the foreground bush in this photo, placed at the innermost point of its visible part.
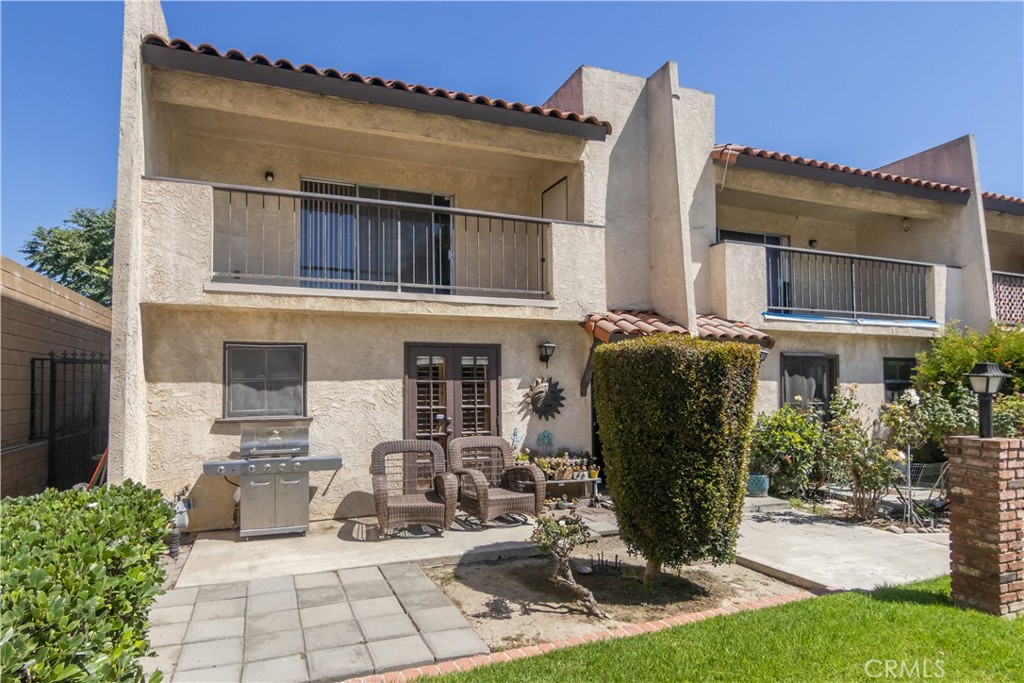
(789, 444)
(674, 415)
(78, 571)
(957, 350)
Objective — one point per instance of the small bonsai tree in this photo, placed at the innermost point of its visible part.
(558, 538)
(674, 414)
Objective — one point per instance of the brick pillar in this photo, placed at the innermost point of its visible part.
(986, 491)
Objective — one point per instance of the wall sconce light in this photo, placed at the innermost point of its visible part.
(985, 379)
(905, 224)
(547, 349)
(764, 355)
(269, 176)
(813, 244)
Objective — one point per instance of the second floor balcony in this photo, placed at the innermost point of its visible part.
(216, 244)
(783, 285)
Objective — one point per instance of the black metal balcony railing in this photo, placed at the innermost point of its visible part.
(811, 282)
(303, 239)
(1008, 291)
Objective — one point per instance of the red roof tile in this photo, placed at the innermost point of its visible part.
(1002, 197)
(207, 49)
(605, 326)
(729, 153)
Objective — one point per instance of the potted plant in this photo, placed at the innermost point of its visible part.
(759, 473)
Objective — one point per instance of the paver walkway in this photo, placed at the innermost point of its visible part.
(310, 627)
(820, 552)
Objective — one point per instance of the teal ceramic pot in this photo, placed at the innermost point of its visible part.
(757, 485)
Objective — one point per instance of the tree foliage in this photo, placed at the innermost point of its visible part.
(78, 254)
(956, 351)
(674, 415)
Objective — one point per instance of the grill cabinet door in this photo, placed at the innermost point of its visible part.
(292, 504)
(258, 502)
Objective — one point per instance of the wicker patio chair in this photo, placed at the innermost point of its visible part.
(490, 483)
(411, 485)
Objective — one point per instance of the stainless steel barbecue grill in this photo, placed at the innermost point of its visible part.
(273, 469)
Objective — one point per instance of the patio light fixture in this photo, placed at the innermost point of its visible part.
(547, 349)
(269, 176)
(985, 379)
(763, 353)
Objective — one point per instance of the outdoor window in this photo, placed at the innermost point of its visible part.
(809, 380)
(264, 380)
(752, 237)
(896, 374)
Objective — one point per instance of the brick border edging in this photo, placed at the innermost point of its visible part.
(468, 663)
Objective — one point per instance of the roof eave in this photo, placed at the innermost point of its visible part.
(1002, 206)
(182, 60)
(789, 168)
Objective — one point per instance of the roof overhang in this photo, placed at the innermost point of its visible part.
(789, 168)
(1003, 205)
(239, 70)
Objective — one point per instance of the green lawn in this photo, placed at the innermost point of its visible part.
(827, 639)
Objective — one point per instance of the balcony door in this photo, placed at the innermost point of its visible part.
(356, 245)
(451, 391)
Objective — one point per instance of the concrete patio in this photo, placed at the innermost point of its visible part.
(326, 626)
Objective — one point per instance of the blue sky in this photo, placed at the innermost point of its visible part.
(856, 83)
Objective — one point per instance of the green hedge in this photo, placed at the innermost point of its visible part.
(674, 415)
(79, 571)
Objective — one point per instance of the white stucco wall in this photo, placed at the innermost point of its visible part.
(127, 436)
(355, 392)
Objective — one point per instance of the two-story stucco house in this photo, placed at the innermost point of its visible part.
(380, 260)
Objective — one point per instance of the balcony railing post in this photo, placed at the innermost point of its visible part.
(853, 287)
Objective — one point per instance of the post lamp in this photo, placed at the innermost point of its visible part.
(547, 349)
(985, 379)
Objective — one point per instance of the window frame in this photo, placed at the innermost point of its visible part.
(905, 384)
(226, 385)
(828, 357)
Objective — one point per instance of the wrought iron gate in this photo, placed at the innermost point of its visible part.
(70, 407)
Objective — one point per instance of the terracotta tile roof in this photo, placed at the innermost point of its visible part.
(1002, 197)
(729, 153)
(605, 326)
(375, 81)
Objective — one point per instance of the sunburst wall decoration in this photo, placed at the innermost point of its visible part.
(544, 398)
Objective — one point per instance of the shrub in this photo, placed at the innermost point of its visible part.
(866, 465)
(795, 441)
(558, 538)
(957, 350)
(1008, 416)
(79, 570)
(674, 414)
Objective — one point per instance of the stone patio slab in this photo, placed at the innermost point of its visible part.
(330, 636)
(215, 629)
(272, 584)
(401, 570)
(368, 589)
(231, 673)
(820, 552)
(271, 602)
(452, 644)
(176, 597)
(224, 591)
(399, 653)
(316, 580)
(273, 645)
(439, 619)
(325, 614)
(219, 609)
(412, 584)
(321, 595)
(211, 653)
(290, 669)
(388, 626)
(359, 575)
(327, 666)
(376, 607)
(167, 634)
(164, 660)
(170, 615)
(424, 600)
(271, 622)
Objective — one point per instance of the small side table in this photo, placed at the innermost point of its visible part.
(589, 484)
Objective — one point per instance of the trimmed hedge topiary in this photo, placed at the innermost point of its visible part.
(674, 414)
(79, 571)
